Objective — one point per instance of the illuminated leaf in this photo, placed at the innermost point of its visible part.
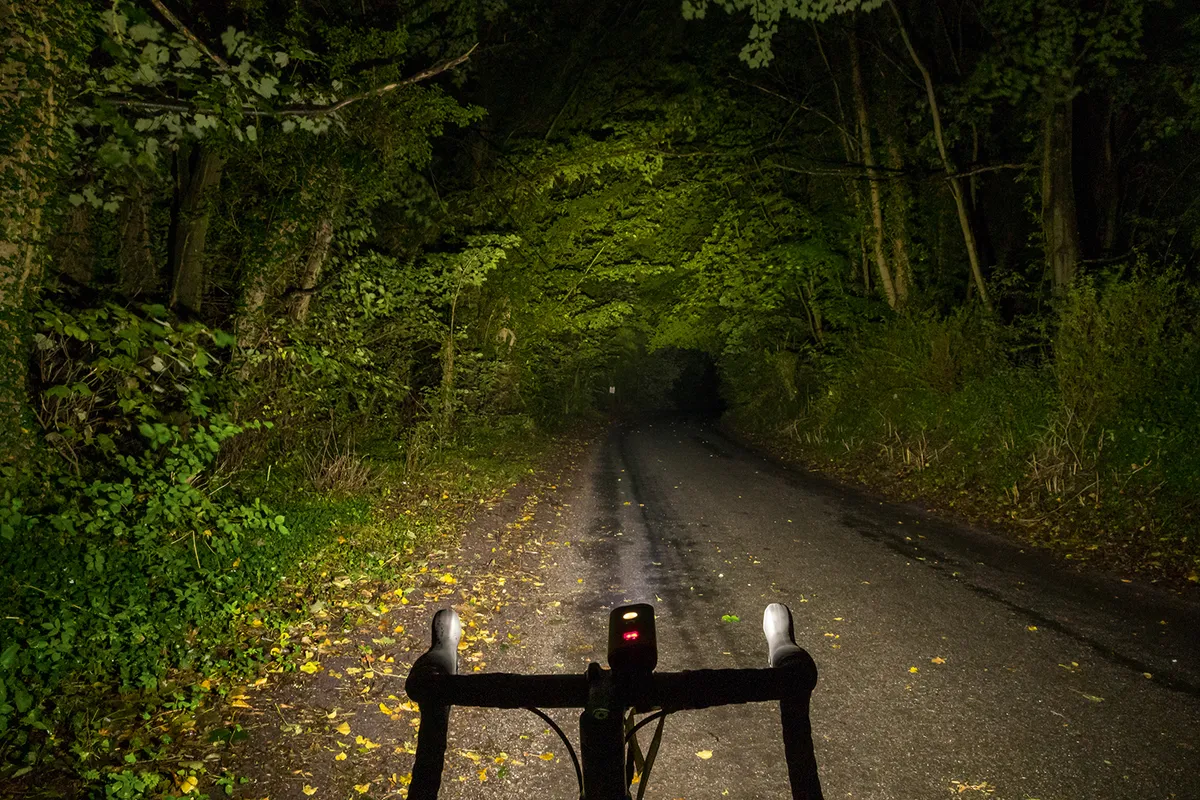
(704, 754)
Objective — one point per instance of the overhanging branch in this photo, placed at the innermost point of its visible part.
(191, 37)
(300, 109)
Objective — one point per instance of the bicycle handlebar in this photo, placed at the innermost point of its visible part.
(433, 683)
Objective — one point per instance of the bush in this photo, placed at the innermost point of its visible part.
(118, 553)
(1093, 447)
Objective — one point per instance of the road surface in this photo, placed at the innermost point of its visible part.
(952, 663)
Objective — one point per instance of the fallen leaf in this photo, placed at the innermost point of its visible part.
(385, 709)
(913, 669)
(343, 729)
(546, 756)
(1031, 628)
(310, 667)
(340, 757)
(362, 788)
(482, 775)
(937, 660)
(310, 790)
(704, 754)
(188, 784)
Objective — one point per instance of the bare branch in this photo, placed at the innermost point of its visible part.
(179, 26)
(792, 101)
(988, 168)
(436, 69)
(300, 109)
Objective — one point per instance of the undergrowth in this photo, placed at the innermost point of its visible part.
(145, 574)
(1081, 437)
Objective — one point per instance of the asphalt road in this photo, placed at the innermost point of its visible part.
(952, 663)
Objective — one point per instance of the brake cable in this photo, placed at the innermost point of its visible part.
(635, 757)
(570, 750)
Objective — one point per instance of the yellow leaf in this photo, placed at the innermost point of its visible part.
(310, 790)
(188, 784)
(384, 709)
(913, 669)
(340, 757)
(240, 703)
(483, 775)
(448, 579)
(362, 788)
(343, 729)
(704, 754)
(310, 667)
(1031, 628)
(937, 660)
(258, 623)
(546, 756)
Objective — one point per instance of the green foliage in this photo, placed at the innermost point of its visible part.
(118, 553)
(766, 16)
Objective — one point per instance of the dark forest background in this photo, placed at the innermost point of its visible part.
(279, 281)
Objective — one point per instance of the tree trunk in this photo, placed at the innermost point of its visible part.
(137, 274)
(72, 249)
(898, 204)
(864, 137)
(322, 240)
(1060, 227)
(198, 189)
(957, 189)
(277, 260)
(848, 147)
(29, 75)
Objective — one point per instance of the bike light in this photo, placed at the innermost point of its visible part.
(632, 644)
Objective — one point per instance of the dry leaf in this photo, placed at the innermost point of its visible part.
(704, 754)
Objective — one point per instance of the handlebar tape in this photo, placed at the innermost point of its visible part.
(781, 636)
(440, 659)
